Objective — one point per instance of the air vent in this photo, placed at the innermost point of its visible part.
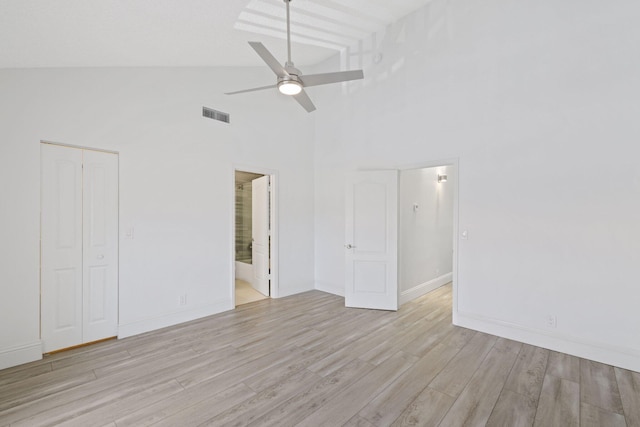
(215, 115)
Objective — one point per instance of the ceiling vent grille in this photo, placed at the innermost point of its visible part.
(216, 115)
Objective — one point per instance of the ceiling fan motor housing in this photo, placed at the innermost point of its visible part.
(290, 78)
(291, 70)
(290, 83)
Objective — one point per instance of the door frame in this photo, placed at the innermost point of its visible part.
(455, 163)
(273, 224)
(80, 147)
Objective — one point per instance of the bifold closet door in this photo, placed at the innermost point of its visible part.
(61, 247)
(79, 248)
(100, 245)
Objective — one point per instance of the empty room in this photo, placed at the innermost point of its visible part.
(439, 228)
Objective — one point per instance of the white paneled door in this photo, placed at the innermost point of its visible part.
(79, 246)
(100, 245)
(260, 233)
(61, 246)
(372, 240)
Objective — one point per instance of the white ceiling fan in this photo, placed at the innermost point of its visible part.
(291, 81)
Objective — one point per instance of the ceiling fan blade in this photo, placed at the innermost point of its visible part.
(327, 78)
(270, 60)
(251, 90)
(304, 100)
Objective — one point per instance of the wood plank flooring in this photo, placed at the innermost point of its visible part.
(306, 360)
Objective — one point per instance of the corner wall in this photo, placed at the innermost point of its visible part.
(176, 185)
(539, 102)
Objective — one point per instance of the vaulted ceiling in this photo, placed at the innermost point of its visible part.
(113, 33)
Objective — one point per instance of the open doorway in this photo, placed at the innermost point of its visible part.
(253, 236)
(425, 234)
(385, 269)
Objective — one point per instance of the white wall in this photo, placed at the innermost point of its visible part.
(539, 101)
(176, 185)
(425, 234)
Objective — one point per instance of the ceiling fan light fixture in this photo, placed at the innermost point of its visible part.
(289, 87)
(290, 80)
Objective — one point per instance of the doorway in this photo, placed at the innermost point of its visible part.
(253, 240)
(425, 235)
(79, 246)
(383, 268)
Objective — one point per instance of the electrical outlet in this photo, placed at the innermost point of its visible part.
(552, 321)
(183, 299)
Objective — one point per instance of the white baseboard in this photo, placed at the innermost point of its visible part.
(424, 288)
(18, 355)
(330, 288)
(288, 291)
(171, 319)
(623, 357)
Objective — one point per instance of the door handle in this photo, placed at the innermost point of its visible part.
(349, 246)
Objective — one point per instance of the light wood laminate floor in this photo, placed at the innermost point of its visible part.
(306, 360)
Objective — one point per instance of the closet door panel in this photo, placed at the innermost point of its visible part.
(100, 219)
(61, 246)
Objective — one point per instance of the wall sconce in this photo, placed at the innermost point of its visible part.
(442, 178)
